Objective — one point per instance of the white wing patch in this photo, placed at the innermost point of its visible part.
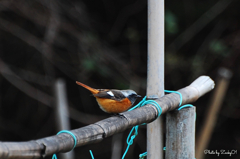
(110, 93)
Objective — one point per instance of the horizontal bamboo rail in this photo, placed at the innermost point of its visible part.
(98, 131)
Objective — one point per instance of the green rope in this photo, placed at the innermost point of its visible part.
(130, 137)
(143, 102)
(74, 138)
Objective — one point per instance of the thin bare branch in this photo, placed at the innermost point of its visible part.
(34, 42)
(42, 97)
(199, 24)
(24, 86)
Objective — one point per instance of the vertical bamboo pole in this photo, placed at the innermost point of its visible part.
(117, 146)
(155, 75)
(180, 134)
(62, 112)
(224, 76)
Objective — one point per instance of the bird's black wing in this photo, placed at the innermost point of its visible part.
(103, 94)
(111, 94)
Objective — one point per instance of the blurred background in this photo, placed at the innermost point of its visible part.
(104, 45)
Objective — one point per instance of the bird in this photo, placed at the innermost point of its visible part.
(113, 101)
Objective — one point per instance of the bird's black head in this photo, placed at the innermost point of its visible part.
(131, 95)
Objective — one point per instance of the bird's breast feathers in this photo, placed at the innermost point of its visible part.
(113, 106)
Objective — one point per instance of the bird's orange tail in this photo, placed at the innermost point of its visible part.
(94, 91)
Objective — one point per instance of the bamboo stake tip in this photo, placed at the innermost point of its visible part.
(203, 84)
(225, 73)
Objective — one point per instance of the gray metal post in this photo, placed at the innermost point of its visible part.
(155, 76)
(180, 134)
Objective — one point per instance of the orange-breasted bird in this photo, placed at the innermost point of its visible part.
(113, 100)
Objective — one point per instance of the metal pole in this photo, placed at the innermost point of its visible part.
(155, 75)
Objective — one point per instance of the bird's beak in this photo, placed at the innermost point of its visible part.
(139, 96)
